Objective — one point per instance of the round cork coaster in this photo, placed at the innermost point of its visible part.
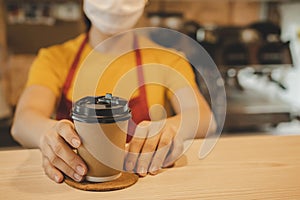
(125, 180)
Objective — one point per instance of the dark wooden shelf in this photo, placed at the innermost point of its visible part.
(6, 139)
(28, 39)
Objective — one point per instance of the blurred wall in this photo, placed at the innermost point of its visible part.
(223, 12)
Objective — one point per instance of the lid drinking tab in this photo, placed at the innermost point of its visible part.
(103, 109)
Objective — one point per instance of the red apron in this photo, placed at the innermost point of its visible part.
(138, 105)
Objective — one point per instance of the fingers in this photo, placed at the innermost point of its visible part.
(175, 152)
(53, 161)
(65, 129)
(149, 148)
(58, 155)
(136, 145)
(53, 173)
(146, 155)
(60, 150)
(163, 148)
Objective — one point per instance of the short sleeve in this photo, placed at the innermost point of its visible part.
(185, 70)
(49, 69)
(180, 74)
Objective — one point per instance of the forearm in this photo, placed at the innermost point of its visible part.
(32, 116)
(29, 126)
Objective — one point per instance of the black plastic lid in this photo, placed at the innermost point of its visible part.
(101, 109)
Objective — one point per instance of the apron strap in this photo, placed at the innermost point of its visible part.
(140, 71)
(74, 66)
(139, 104)
(64, 106)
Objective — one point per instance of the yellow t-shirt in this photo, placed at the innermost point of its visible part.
(165, 71)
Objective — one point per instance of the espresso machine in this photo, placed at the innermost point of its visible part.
(252, 52)
(249, 52)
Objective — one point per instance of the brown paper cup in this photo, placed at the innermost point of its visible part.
(103, 141)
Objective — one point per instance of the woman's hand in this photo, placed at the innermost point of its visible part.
(158, 144)
(155, 145)
(58, 156)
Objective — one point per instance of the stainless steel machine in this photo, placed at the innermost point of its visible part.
(259, 49)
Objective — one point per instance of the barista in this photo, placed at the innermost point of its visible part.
(49, 90)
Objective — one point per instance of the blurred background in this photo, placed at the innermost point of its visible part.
(254, 43)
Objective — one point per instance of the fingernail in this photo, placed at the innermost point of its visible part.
(154, 170)
(77, 177)
(56, 178)
(80, 170)
(129, 166)
(142, 170)
(75, 143)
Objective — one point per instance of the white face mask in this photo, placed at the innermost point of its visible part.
(113, 16)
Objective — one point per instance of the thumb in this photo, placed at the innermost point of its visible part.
(66, 130)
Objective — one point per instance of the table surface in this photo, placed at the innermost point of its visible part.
(239, 167)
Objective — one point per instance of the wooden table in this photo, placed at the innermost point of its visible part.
(240, 167)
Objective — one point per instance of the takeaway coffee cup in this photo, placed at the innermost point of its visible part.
(101, 123)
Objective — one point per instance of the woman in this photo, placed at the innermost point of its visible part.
(50, 89)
